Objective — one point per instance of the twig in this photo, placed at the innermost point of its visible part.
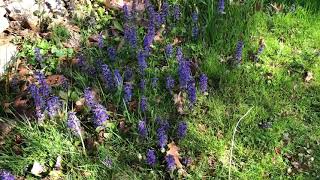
(232, 142)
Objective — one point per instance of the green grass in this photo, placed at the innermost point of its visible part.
(274, 87)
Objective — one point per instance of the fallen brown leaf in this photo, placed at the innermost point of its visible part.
(55, 80)
(174, 151)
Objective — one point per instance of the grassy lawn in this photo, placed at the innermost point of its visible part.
(279, 89)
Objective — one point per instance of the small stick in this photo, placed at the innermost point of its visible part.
(232, 142)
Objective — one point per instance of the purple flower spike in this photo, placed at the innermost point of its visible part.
(73, 123)
(6, 175)
(143, 104)
(169, 50)
(221, 7)
(100, 115)
(176, 13)
(179, 54)
(239, 50)
(191, 91)
(100, 41)
(127, 92)
(203, 83)
(171, 165)
(127, 13)
(182, 130)
(184, 71)
(44, 89)
(195, 31)
(142, 61)
(130, 35)
(142, 129)
(89, 97)
(142, 84)
(53, 106)
(169, 83)
(195, 17)
(107, 162)
(108, 77)
(151, 157)
(164, 11)
(128, 74)
(162, 133)
(112, 52)
(118, 78)
(148, 39)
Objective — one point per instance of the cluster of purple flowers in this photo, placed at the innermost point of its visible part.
(130, 32)
(203, 83)
(143, 104)
(179, 55)
(118, 78)
(100, 41)
(182, 130)
(73, 123)
(43, 102)
(184, 72)
(142, 129)
(148, 39)
(170, 83)
(128, 92)
(84, 66)
(169, 50)
(112, 52)
(260, 50)
(221, 7)
(53, 106)
(6, 175)
(100, 114)
(239, 49)
(128, 74)
(107, 162)
(171, 165)
(162, 133)
(142, 84)
(151, 157)
(164, 11)
(130, 35)
(192, 94)
(176, 13)
(142, 61)
(108, 77)
(195, 28)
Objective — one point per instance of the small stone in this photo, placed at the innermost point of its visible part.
(37, 169)
(4, 24)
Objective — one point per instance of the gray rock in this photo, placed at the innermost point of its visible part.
(7, 53)
(4, 24)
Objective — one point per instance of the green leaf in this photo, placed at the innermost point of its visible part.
(117, 25)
